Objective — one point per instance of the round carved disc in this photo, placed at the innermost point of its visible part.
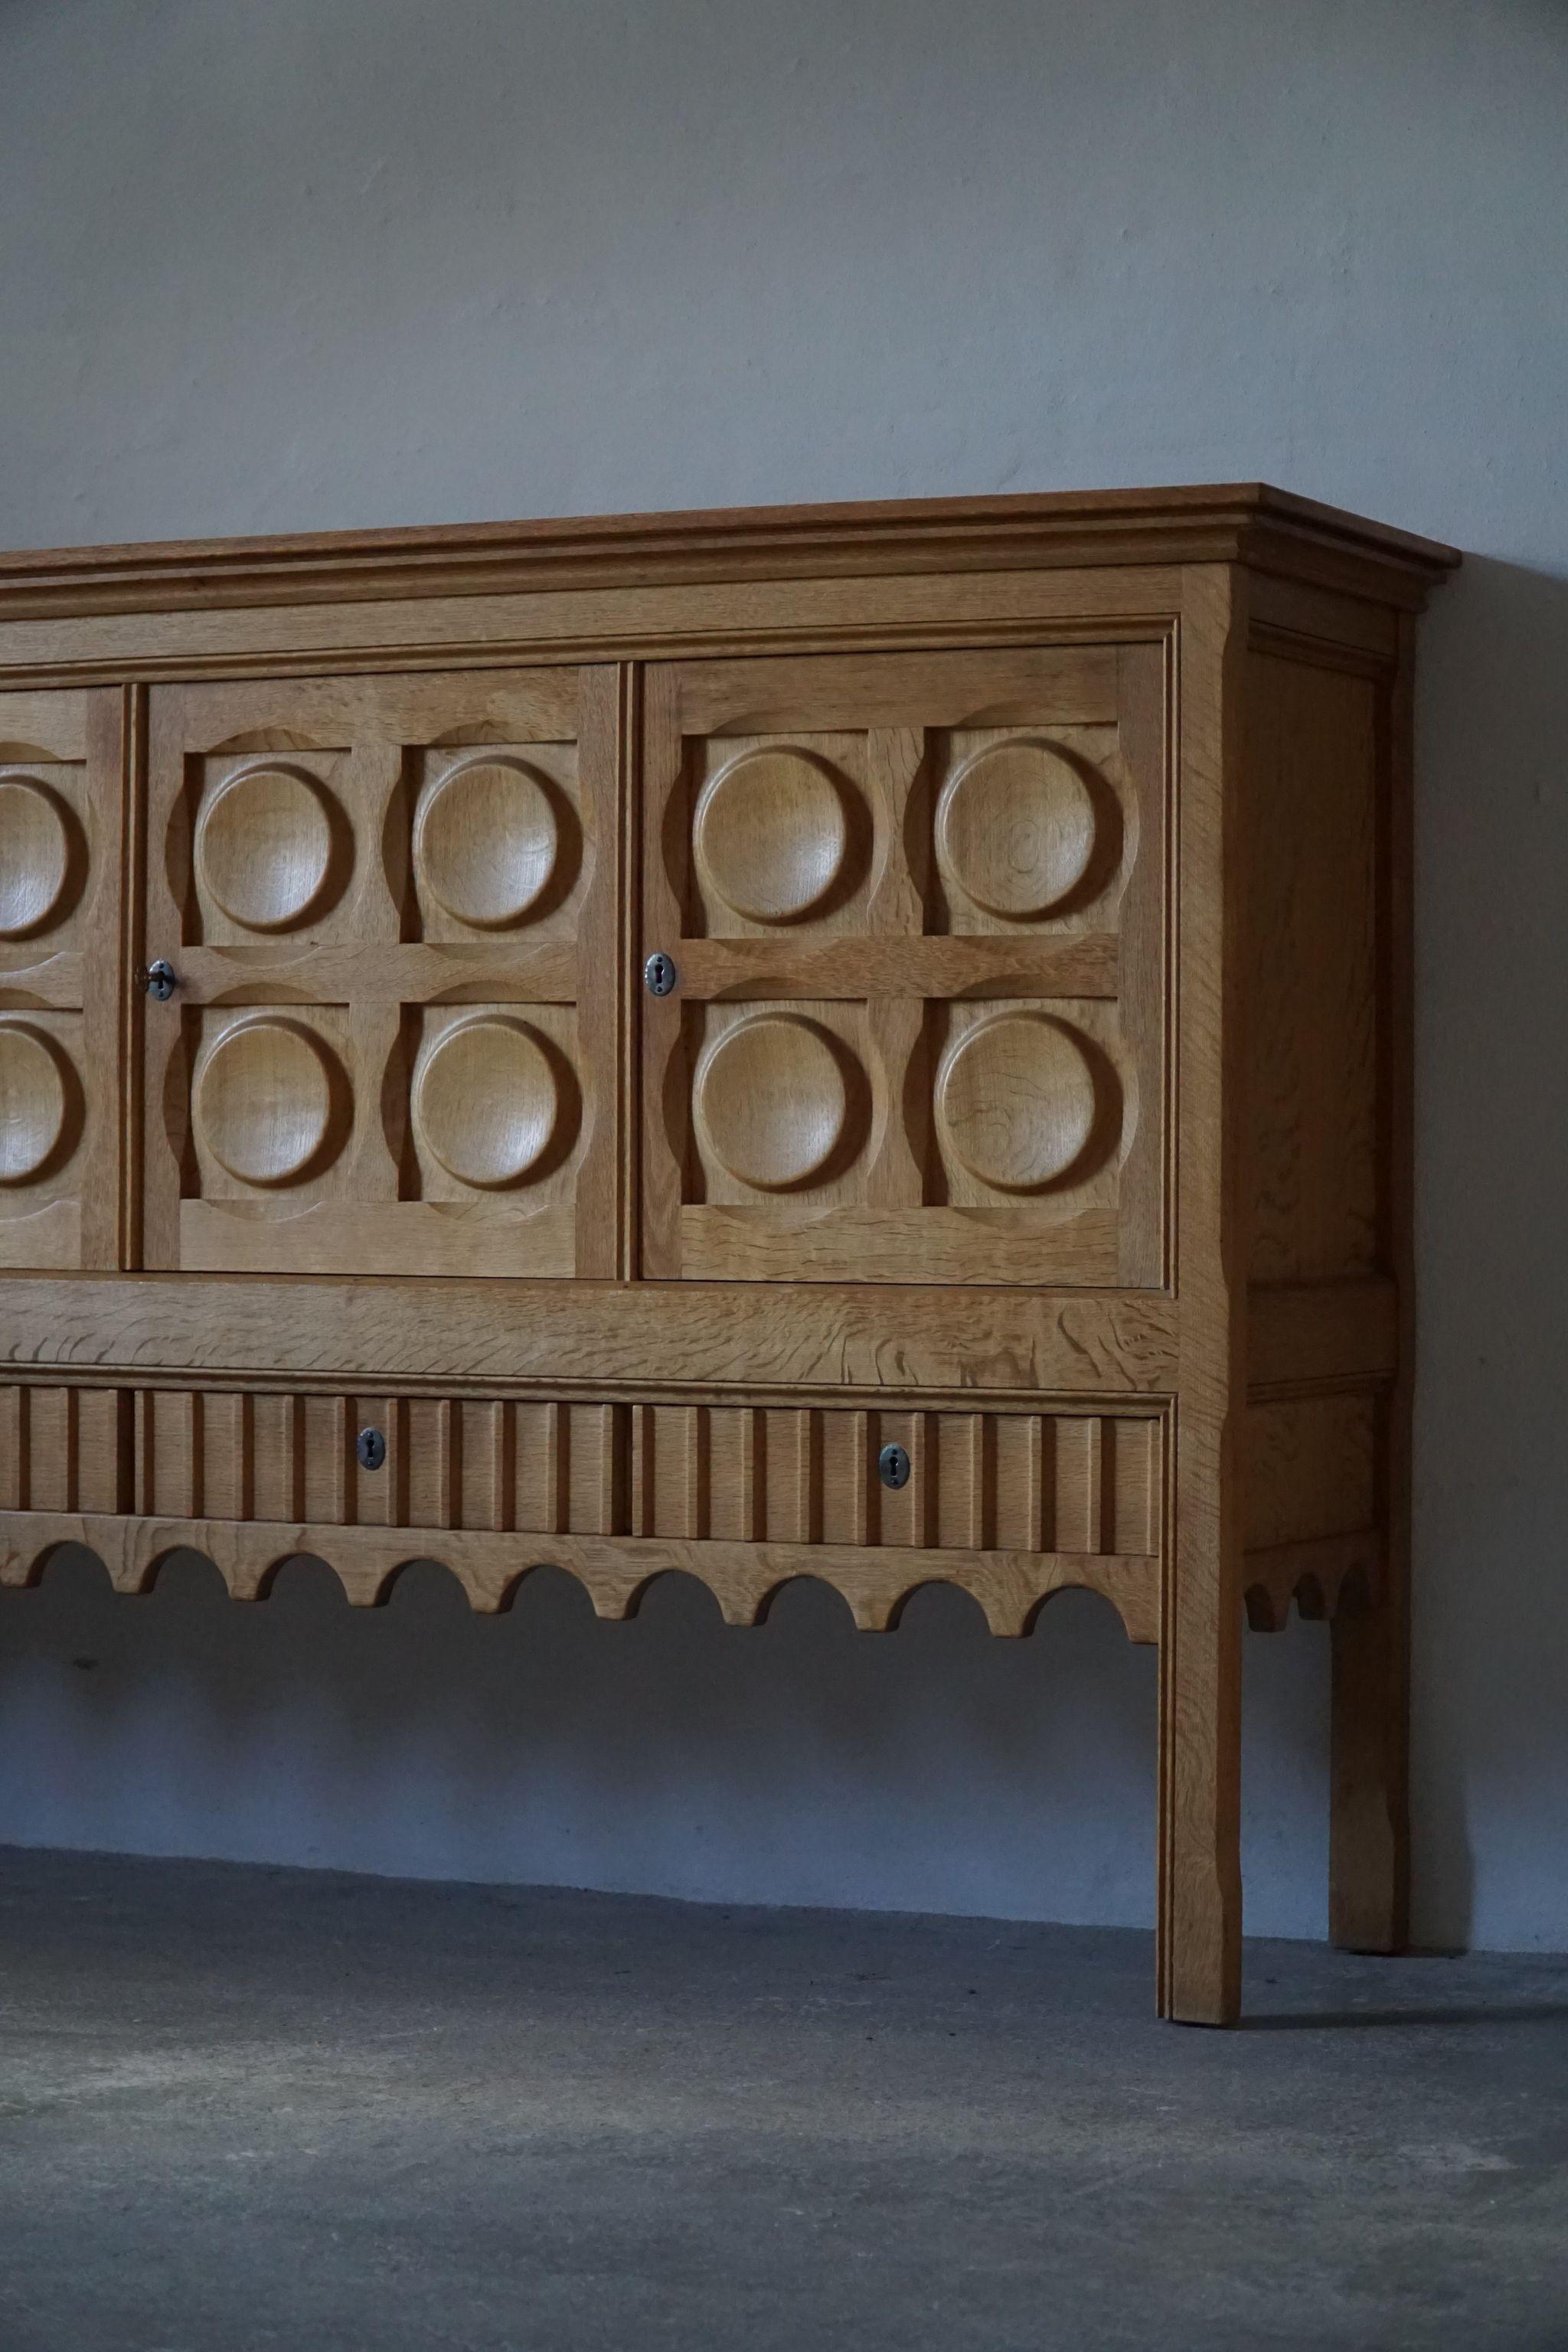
(1016, 1101)
(1017, 828)
(33, 1103)
(772, 833)
(34, 856)
(486, 1101)
(485, 842)
(264, 847)
(264, 1102)
(771, 1101)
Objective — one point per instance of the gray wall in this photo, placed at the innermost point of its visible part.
(279, 264)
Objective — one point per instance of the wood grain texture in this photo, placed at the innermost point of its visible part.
(847, 860)
(393, 906)
(1311, 1467)
(1327, 1332)
(1216, 522)
(1009, 1587)
(61, 907)
(1200, 1744)
(1038, 1343)
(1016, 1481)
(1311, 949)
(486, 633)
(1329, 954)
(67, 1449)
(1322, 624)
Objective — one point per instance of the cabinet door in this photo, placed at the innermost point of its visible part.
(916, 905)
(61, 952)
(390, 905)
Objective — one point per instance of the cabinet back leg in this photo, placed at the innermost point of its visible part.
(1369, 1867)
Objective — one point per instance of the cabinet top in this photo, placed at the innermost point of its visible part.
(1247, 522)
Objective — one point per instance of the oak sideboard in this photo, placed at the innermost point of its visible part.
(863, 1042)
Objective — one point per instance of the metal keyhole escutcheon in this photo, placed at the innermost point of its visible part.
(660, 974)
(894, 1467)
(160, 980)
(370, 1448)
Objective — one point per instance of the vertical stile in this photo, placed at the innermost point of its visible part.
(226, 1456)
(328, 1444)
(1078, 1491)
(14, 1466)
(275, 1497)
(593, 1470)
(104, 1443)
(484, 1481)
(52, 1449)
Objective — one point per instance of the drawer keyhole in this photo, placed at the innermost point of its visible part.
(894, 1467)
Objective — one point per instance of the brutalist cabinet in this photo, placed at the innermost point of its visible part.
(863, 1041)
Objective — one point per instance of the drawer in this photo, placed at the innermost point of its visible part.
(1010, 1504)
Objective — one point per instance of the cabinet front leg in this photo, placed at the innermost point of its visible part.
(1199, 1956)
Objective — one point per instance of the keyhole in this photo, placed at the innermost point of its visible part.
(894, 1467)
(371, 1449)
(660, 974)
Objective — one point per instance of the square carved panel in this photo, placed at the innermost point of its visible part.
(392, 908)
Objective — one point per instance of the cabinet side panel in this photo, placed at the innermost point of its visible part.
(1328, 973)
(1312, 954)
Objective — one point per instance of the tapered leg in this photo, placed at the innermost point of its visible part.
(1200, 1752)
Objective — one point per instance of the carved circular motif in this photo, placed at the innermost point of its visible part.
(772, 1101)
(268, 1102)
(1016, 828)
(486, 1101)
(34, 856)
(266, 848)
(486, 842)
(771, 833)
(1017, 1100)
(34, 1105)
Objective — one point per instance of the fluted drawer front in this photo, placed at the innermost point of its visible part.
(1011, 1507)
(977, 1481)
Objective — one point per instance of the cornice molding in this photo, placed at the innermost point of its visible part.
(1251, 523)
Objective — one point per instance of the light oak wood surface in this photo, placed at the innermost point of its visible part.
(424, 872)
(1030, 1095)
(901, 836)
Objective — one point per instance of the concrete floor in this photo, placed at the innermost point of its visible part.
(246, 2107)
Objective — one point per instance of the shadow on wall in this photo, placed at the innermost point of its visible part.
(936, 1768)
(1491, 1632)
